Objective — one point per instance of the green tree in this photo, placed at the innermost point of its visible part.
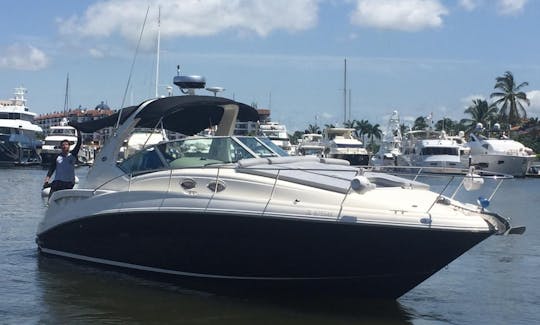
(374, 131)
(362, 127)
(420, 123)
(329, 126)
(313, 128)
(480, 112)
(446, 124)
(349, 123)
(510, 99)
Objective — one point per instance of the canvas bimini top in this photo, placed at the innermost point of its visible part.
(183, 114)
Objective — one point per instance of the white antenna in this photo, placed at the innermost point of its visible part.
(66, 98)
(158, 43)
(345, 91)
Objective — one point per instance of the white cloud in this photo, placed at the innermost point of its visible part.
(404, 15)
(96, 53)
(190, 18)
(534, 108)
(469, 5)
(511, 7)
(23, 57)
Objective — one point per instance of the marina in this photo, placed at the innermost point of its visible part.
(400, 186)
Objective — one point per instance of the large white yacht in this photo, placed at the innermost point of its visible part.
(499, 155)
(311, 145)
(277, 133)
(55, 135)
(18, 143)
(433, 151)
(342, 143)
(226, 214)
(390, 149)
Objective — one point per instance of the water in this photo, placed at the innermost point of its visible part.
(497, 282)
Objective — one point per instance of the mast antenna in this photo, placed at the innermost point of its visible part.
(158, 44)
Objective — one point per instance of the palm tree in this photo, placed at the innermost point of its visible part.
(510, 98)
(481, 112)
(313, 128)
(329, 126)
(349, 123)
(374, 131)
(362, 127)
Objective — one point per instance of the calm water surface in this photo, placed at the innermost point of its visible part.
(497, 282)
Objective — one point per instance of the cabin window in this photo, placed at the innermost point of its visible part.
(143, 161)
(440, 151)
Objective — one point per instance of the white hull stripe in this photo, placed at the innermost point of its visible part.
(160, 270)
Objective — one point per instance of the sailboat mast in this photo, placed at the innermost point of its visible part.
(157, 57)
(345, 93)
(66, 98)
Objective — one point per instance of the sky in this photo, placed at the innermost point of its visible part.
(418, 57)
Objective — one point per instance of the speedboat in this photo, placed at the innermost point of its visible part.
(18, 143)
(225, 213)
(341, 143)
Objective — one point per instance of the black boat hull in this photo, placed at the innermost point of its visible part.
(238, 254)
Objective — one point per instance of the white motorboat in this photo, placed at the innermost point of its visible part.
(341, 143)
(226, 214)
(311, 145)
(51, 144)
(18, 143)
(433, 151)
(500, 155)
(390, 148)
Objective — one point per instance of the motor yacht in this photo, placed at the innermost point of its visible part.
(311, 145)
(56, 134)
(433, 151)
(390, 148)
(227, 214)
(341, 143)
(277, 133)
(18, 143)
(499, 155)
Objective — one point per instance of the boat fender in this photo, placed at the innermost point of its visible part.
(472, 182)
(361, 184)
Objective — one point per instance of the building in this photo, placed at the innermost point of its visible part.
(78, 115)
(251, 128)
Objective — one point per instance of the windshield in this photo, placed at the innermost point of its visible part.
(258, 147)
(273, 146)
(186, 153)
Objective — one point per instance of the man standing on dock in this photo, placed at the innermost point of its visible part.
(63, 167)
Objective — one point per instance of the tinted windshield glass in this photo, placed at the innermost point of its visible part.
(199, 152)
(257, 147)
(273, 146)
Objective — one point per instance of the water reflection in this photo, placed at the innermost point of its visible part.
(72, 292)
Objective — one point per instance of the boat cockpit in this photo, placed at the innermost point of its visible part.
(197, 152)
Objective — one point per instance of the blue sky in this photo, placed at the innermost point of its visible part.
(414, 56)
